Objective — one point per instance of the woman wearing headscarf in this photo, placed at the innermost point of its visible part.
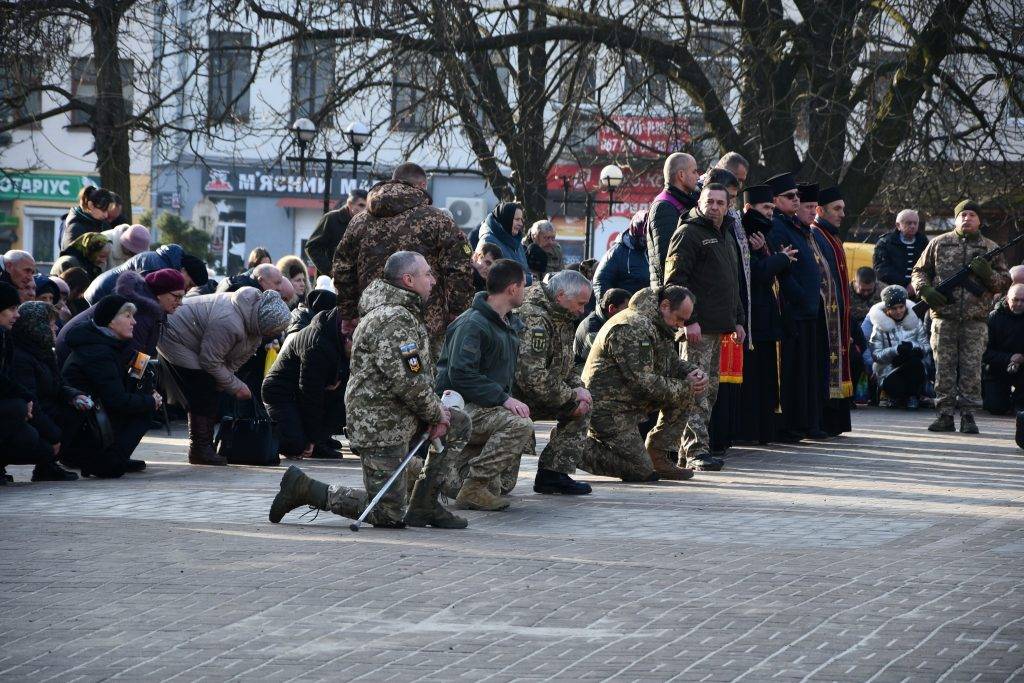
(88, 252)
(205, 343)
(97, 367)
(503, 227)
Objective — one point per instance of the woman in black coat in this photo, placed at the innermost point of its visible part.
(96, 365)
(35, 368)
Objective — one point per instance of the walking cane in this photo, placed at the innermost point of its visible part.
(354, 526)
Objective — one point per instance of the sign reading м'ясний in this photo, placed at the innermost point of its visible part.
(275, 183)
(45, 186)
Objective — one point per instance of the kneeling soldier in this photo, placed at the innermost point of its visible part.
(633, 369)
(547, 381)
(389, 399)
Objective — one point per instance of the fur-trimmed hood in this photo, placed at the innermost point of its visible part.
(880, 321)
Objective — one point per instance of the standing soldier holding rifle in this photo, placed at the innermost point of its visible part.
(956, 277)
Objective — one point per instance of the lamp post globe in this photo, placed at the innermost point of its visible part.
(358, 134)
(611, 177)
(304, 131)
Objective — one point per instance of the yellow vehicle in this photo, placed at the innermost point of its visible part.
(858, 255)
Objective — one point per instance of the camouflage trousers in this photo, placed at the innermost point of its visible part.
(695, 439)
(958, 348)
(614, 447)
(566, 441)
(491, 452)
(379, 463)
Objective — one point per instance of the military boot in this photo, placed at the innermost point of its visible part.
(967, 424)
(943, 423)
(297, 490)
(426, 510)
(665, 468)
(200, 441)
(474, 495)
(704, 462)
(549, 481)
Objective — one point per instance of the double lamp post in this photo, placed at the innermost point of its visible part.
(609, 181)
(304, 131)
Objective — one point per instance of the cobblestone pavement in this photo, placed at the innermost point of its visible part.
(889, 554)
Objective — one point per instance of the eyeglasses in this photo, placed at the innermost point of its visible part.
(790, 195)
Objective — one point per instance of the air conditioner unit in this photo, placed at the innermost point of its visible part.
(468, 212)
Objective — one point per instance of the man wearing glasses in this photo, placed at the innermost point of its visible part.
(801, 367)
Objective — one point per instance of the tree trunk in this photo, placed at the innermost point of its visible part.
(109, 127)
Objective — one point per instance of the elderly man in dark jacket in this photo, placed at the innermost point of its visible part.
(625, 264)
(898, 251)
(800, 380)
(1003, 388)
(704, 258)
(301, 387)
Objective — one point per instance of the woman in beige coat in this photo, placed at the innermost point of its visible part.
(206, 341)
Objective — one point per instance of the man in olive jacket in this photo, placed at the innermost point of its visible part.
(703, 257)
(478, 360)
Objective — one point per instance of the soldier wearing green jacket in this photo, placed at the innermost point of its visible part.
(478, 360)
(547, 380)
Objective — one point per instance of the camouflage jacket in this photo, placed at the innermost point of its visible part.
(399, 217)
(947, 254)
(634, 364)
(545, 375)
(390, 393)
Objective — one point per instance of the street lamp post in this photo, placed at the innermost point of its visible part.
(610, 179)
(304, 131)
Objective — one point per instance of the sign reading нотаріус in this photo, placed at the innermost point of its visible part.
(43, 186)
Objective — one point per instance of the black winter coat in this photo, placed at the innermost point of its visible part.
(1005, 338)
(236, 282)
(662, 219)
(765, 267)
(585, 333)
(893, 260)
(96, 366)
(14, 398)
(624, 266)
(36, 370)
(801, 283)
(78, 223)
(312, 360)
(324, 240)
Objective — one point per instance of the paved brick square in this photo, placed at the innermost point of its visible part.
(889, 554)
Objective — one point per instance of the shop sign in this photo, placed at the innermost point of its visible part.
(253, 181)
(43, 186)
(643, 135)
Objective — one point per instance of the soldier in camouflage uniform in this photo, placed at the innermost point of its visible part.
(390, 399)
(399, 217)
(547, 381)
(634, 369)
(959, 321)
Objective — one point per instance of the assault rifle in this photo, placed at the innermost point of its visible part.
(964, 278)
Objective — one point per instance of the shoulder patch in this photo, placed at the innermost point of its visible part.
(467, 249)
(538, 338)
(709, 240)
(411, 355)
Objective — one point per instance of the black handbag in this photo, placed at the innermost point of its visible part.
(98, 427)
(246, 436)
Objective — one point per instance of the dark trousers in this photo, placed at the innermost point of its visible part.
(759, 393)
(110, 462)
(291, 436)
(22, 445)
(906, 381)
(801, 378)
(199, 389)
(1002, 392)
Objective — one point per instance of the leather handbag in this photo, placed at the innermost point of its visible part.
(246, 436)
(99, 428)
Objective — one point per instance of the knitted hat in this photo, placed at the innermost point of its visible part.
(758, 194)
(272, 314)
(829, 195)
(781, 184)
(107, 308)
(893, 295)
(968, 205)
(165, 280)
(808, 191)
(196, 269)
(9, 297)
(321, 300)
(135, 239)
(65, 291)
